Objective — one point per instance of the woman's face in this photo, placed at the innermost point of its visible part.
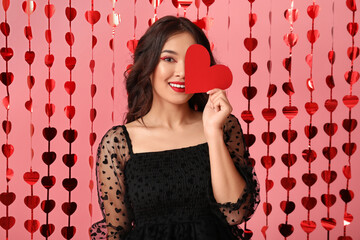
(171, 69)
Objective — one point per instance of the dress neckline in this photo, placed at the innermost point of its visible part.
(127, 136)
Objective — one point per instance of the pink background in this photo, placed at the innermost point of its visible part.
(233, 56)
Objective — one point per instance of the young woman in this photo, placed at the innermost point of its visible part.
(182, 172)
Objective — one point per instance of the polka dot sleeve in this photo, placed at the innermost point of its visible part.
(112, 156)
(237, 212)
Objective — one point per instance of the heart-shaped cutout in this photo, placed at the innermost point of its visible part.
(9, 174)
(31, 201)
(69, 112)
(352, 77)
(69, 159)
(349, 148)
(267, 208)
(269, 184)
(288, 88)
(329, 152)
(7, 53)
(267, 161)
(331, 104)
(93, 90)
(288, 159)
(48, 157)
(328, 176)
(28, 33)
(92, 17)
(50, 85)
(287, 63)
(328, 223)
(328, 199)
(31, 177)
(70, 13)
(310, 131)
(347, 171)
(7, 198)
(49, 10)
(6, 126)
(287, 206)
(28, 105)
(252, 19)
(309, 179)
(132, 44)
(330, 128)
(69, 183)
(309, 155)
(47, 229)
(49, 133)
(49, 60)
(69, 208)
(290, 39)
(269, 113)
(47, 205)
(92, 114)
(289, 135)
(7, 222)
(350, 101)
(5, 29)
(250, 68)
(352, 28)
(346, 195)
(48, 36)
(70, 39)
(7, 150)
(291, 15)
(70, 87)
(68, 232)
(247, 116)
(311, 107)
(330, 81)
(349, 124)
(113, 19)
(268, 137)
(70, 135)
(70, 62)
(48, 181)
(49, 109)
(308, 226)
(308, 202)
(288, 183)
(313, 10)
(313, 35)
(30, 81)
(92, 138)
(249, 139)
(7, 78)
(32, 225)
(249, 92)
(351, 4)
(250, 43)
(286, 229)
(29, 6)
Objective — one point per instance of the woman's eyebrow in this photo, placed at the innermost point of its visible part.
(170, 51)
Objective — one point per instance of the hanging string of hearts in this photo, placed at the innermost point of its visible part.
(311, 108)
(184, 4)
(329, 152)
(113, 20)
(349, 124)
(289, 135)
(70, 134)
(7, 77)
(92, 16)
(49, 133)
(249, 93)
(132, 43)
(268, 137)
(155, 4)
(31, 177)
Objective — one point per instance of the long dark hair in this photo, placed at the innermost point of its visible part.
(146, 58)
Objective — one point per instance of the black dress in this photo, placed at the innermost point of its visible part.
(167, 195)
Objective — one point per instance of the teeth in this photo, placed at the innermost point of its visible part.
(177, 85)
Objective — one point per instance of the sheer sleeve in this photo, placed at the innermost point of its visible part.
(112, 155)
(237, 212)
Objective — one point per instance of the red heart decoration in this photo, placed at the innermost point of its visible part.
(329, 152)
(31, 201)
(29, 7)
(269, 64)
(351, 4)
(9, 174)
(70, 87)
(249, 92)
(49, 10)
(310, 131)
(199, 77)
(349, 124)
(48, 157)
(348, 218)
(287, 63)
(92, 138)
(331, 128)
(250, 43)
(94, 41)
(49, 60)
(7, 150)
(68, 232)
(91, 162)
(7, 78)
(30, 81)
(349, 148)
(308, 59)
(47, 229)
(331, 104)
(247, 233)
(268, 137)
(311, 107)
(313, 10)
(249, 139)
(271, 90)
(328, 223)
(267, 161)
(114, 19)
(69, 159)
(350, 101)
(308, 226)
(49, 85)
(70, 13)
(5, 29)
(290, 39)
(93, 90)
(28, 33)
(132, 44)
(269, 113)
(70, 135)
(353, 53)
(69, 183)
(6, 102)
(29, 57)
(309, 155)
(70, 62)
(288, 183)
(92, 17)
(346, 195)
(32, 225)
(48, 182)
(28, 105)
(267, 208)
(70, 39)
(49, 133)
(328, 176)
(268, 184)
(328, 199)
(287, 206)
(330, 81)
(290, 112)
(309, 179)
(200, 23)
(31, 177)
(291, 15)
(47, 205)
(288, 88)
(69, 207)
(48, 36)
(111, 44)
(6, 126)
(288, 159)
(289, 135)
(92, 114)
(112, 93)
(70, 111)
(286, 229)
(90, 209)
(250, 68)
(313, 35)
(7, 53)
(6, 4)
(7, 198)
(49, 109)
(331, 57)
(91, 184)
(92, 65)
(247, 116)
(308, 202)
(347, 171)
(352, 28)
(352, 76)
(252, 19)
(7, 222)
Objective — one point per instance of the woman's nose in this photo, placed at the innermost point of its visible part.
(180, 69)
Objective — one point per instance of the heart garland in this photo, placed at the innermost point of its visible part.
(31, 201)
(69, 160)
(49, 132)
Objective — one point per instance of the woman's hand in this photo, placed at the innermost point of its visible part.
(216, 110)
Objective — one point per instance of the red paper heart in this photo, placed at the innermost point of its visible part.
(93, 90)
(7, 150)
(114, 19)
(331, 128)
(92, 65)
(351, 4)
(70, 13)
(287, 63)
(48, 157)
(48, 36)
(268, 137)
(5, 29)
(47, 205)
(29, 57)
(290, 39)
(328, 199)
(92, 138)
(249, 92)
(288, 159)
(7, 198)
(91, 162)
(199, 77)
(30, 81)
(290, 112)
(70, 62)
(353, 53)
(69, 207)
(291, 15)
(286, 229)
(70, 111)
(49, 60)
(288, 88)
(92, 17)
(49, 10)
(267, 208)
(69, 159)
(48, 181)
(7, 78)
(289, 135)
(349, 124)
(346, 195)
(309, 155)
(309, 179)
(70, 87)
(250, 68)
(350, 101)
(9, 174)
(268, 184)
(348, 218)
(92, 114)
(271, 90)
(308, 202)
(310, 131)
(347, 171)
(70, 135)
(132, 44)
(247, 116)
(313, 35)
(331, 104)
(32, 225)
(288, 183)
(249, 139)
(49, 85)
(7, 222)
(49, 109)
(70, 39)
(31, 177)
(352, 77)
(49, 133)
(68, 232)
(328, 176)
(308, 226)
(331, 57)
(94, 41)
(250, 43)
(31, 201)
(349, 148)
(28, 32)
(29, 6)
(6, 126)
(313, 11)
(267, 161)
(328, 223)
(28, 105)
(269, 113)
(311, 107)
(330, 81)
(352, 28)
(112, 92)
(69, 183)
(47, 229)
(7, 53)
(287, 206)
(329, 152)
(252, 19)
(308, 59)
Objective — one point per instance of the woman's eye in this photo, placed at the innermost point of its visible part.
(168, 59)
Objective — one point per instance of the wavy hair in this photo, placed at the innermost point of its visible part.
(145, 59)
